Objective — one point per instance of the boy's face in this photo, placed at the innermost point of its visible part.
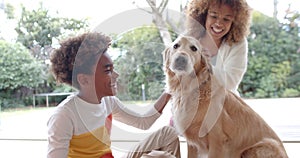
(105, 78)
(218, 22)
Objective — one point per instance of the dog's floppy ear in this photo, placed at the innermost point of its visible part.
(166, 54)
(206, 63)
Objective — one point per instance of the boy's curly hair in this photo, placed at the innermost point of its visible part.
(197, 9)
(77, 55)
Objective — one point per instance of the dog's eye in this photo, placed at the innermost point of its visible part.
(193, 48)
(176, 46)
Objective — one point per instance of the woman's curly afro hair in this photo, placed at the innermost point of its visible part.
(240, 28)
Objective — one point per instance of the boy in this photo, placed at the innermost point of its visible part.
(81, 124)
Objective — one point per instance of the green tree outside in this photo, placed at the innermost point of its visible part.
(20, 73)
(140, 63)
(273, 63)
(37, 30)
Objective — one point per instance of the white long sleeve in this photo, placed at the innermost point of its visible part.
(123, 114)
(75, 117)
(231, 64)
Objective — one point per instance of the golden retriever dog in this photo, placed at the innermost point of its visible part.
(235, 131)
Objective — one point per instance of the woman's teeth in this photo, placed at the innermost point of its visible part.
(217, 30)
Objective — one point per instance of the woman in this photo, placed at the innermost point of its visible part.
(227, 24)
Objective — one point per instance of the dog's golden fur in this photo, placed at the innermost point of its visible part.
(239, 132)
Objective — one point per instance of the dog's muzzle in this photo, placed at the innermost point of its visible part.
(180, 63)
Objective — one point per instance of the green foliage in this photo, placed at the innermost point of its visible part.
(9, 11)
(8, 103)
(18, 67)
(19, 71)
(38, 28)
(273, 60)
(140, 62)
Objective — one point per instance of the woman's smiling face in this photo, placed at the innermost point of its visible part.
(218, 21)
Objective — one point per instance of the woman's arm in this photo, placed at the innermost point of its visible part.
(231, 65)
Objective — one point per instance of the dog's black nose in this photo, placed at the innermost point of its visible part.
(180, 63)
